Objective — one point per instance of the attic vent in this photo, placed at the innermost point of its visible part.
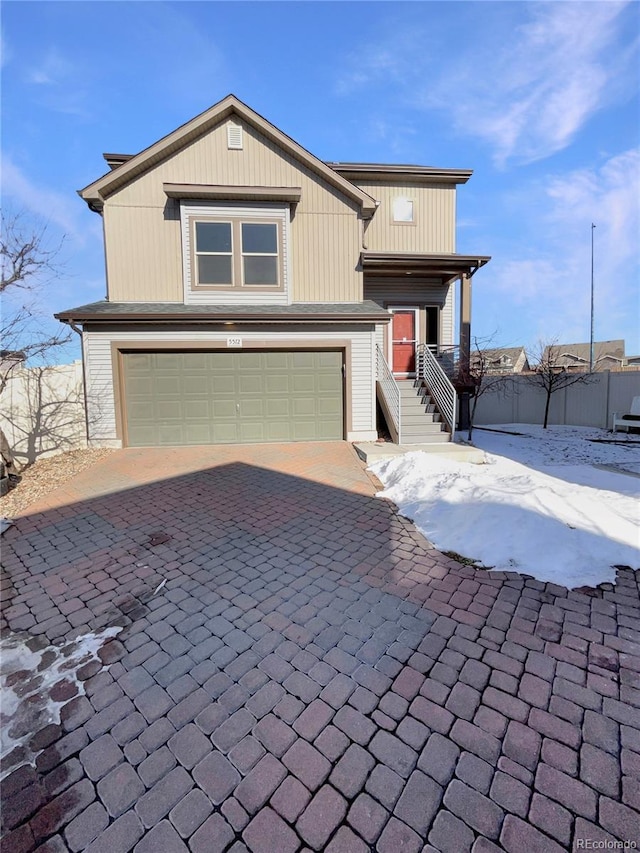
(234, 136)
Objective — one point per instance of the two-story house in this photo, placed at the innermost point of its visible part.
(256, 293)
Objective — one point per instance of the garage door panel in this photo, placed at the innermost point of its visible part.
(168, 362)
(277, 360)
(169, 410)
(328, 407)
(248, 362)
(199, 362)
(304, 406)
(167, 385)
(170, 434)
(139, 387)
(224, 433)
(251, 408)
(195, 385)
(303, 360)
(197, 434)
(228, 397)
(223, 409)
(328, 384)
(252, 431)
(277, 408)
(196, 410)
(277, 383)
(302, 383)
(251, 384)
(221, 360)
(223, 383)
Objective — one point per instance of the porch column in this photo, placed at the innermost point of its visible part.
(465, 323)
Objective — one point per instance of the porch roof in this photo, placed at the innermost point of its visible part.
(443, 267)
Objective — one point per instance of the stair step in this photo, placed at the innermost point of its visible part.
(433, 438)
(416, 429)
(416, 420)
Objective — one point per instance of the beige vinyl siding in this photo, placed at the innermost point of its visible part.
(433, 230)
(142, 226)
(360, 361)
(399, 291)
(143, 254)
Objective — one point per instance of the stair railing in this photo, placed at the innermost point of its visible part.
(439, 385)
(390, 391)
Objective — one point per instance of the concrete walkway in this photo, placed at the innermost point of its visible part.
(312, 675)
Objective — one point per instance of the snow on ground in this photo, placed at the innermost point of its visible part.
(548, 503)
(36, 680)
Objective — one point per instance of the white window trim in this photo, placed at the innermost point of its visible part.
(253, 212)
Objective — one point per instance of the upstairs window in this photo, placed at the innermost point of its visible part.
(214, 252)
(236, 253)
(260, 253)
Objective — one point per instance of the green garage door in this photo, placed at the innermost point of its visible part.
(178, 398)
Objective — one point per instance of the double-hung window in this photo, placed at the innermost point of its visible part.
(236, 252)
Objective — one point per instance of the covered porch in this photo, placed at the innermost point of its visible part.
(420, 350)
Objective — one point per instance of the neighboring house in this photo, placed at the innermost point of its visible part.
(607, 355)
(9, 361)
(256, 293)
(502, 360)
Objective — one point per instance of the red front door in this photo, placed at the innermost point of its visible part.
(403, 331)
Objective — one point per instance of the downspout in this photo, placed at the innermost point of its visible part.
(78, 331)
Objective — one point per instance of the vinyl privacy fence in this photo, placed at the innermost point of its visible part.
(42, 411)
(590, 404)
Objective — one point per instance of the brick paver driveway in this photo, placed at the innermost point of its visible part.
(313, 674)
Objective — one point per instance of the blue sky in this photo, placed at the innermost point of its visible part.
(539, 99)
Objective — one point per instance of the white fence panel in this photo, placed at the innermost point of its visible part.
(42, 411)
(588, 404)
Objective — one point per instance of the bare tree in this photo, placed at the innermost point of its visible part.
(479, 378)
(550, 375)
(28, 262)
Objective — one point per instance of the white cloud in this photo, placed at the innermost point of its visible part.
(5, 52)
(59, 84)
(551, 280)
(53, 70)
(547, 83)
(59, 210)
(525, 91)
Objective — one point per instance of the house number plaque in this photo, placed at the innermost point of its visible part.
(234, 342)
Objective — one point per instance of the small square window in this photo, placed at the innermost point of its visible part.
(403, 210)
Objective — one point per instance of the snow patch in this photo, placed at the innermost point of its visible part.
(36, 680)
(537, 505)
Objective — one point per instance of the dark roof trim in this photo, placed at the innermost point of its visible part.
(442, 266)
(393, 171)
(115, 160)
(102, 312)
(225, 191)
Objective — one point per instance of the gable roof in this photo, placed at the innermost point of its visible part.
(495, 354)
(125, 169)
(567, 354)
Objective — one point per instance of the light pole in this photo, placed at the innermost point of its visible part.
(591, 344)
